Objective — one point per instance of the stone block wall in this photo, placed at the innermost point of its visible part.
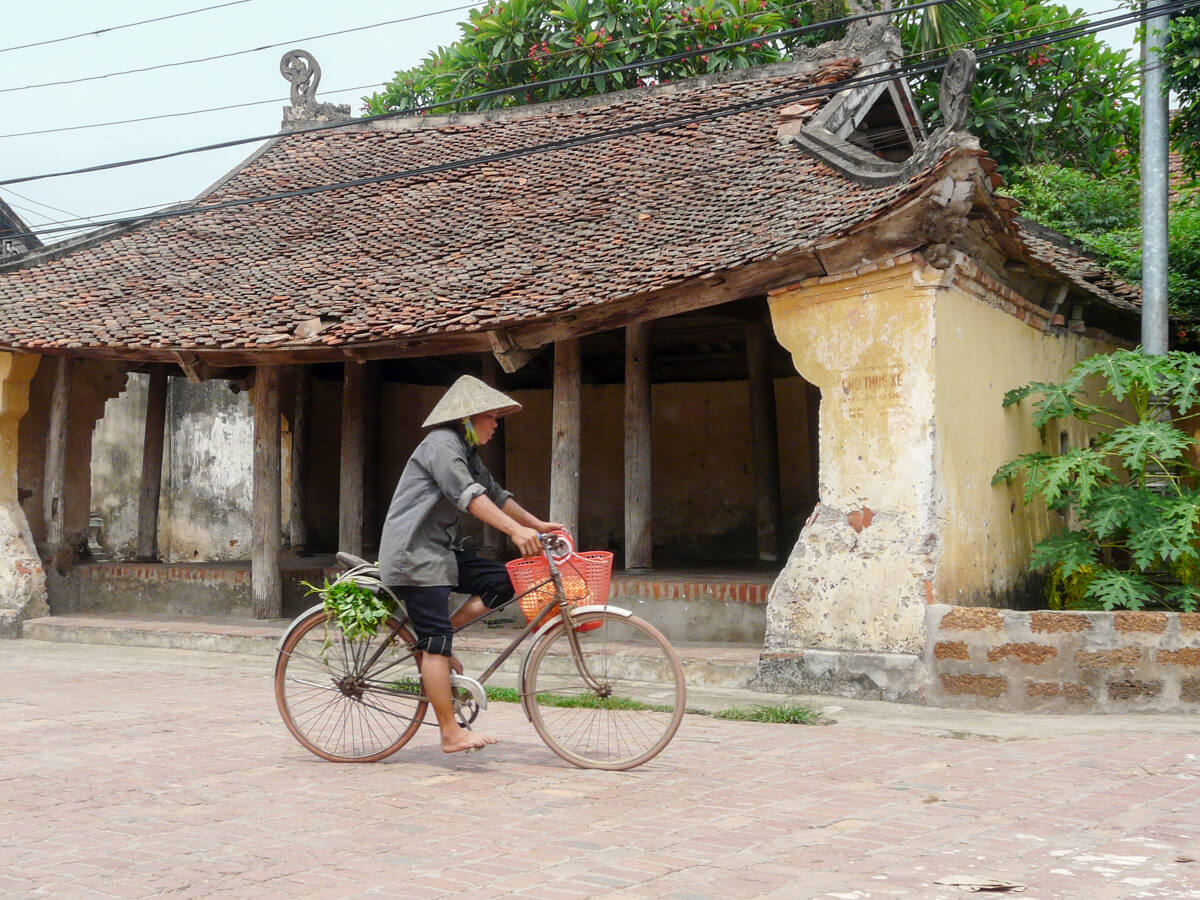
(1063, 661)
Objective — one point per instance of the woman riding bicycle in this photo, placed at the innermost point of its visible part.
(419, 559)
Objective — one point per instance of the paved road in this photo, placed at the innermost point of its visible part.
(133, 772)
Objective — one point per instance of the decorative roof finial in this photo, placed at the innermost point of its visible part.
(300, 68)
(954, 96)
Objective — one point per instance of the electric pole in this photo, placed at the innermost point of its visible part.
(1155, 189)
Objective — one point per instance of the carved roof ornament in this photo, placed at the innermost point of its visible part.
(826, 134)
(300, 69)
(954, 96)
(302, 72)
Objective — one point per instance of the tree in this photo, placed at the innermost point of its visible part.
(1183, 77)
(1102, 216)
(1129, 493)
(524, 42)
(1067, 103)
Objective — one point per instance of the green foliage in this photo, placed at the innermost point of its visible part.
(1069, 103)
(1102, 216)
(357, 611)
(780, 714)
(1130, 494)
(1183, 76)
(521, 42)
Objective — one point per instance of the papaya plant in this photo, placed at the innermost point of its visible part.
(1130, 495)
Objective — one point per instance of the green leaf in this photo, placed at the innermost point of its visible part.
(1124, 590)
(1114, 508)
(1142, 442)
(1065, 553)
(1070, 477)
(1183, 596)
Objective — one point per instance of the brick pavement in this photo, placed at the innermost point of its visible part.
(132, 772)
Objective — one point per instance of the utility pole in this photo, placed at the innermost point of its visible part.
(1155, 189)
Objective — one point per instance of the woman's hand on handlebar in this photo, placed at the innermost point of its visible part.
(526, 540)
(545, 527)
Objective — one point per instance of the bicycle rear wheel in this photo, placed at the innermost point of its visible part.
(337, 708)
(632, 710)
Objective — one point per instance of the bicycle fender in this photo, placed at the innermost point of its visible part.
(556, 622)
(296, 621)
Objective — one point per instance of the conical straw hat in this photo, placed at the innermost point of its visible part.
(468, 397)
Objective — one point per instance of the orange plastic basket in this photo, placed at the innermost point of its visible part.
(585, 576)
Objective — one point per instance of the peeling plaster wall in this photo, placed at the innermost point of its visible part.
(987, 532)
(117, 467)
(859, 575)
(206, 509)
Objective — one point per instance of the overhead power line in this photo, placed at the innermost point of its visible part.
(1017, 46)
(203, 59)
(1072, 17)
(470, 98)
(584, 140)
(102, 31)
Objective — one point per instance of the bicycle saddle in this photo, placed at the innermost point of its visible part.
(350, 561)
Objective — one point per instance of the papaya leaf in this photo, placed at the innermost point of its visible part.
(1141, 442)
(1016, 395)
(1125, 372)
(1065, 554)
(1058, 402)
(1184, 389)
(1183, 596)
(1070, 477)
(1112, 510)
(1112, 589)
(1029, 464)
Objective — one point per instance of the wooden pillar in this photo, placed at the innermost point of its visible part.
(492, 453)
(350, 493)
(152, 462)
(566, 447)
(765, 438)
(301, 428)
(54, 495)
(638, 537)
(370, 489)
(266, 585)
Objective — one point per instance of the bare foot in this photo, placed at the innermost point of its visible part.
(461, 739)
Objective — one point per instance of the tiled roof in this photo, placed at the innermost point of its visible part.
(473, 248)
(1056, 254)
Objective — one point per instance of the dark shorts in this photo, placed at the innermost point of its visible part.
(429, 606)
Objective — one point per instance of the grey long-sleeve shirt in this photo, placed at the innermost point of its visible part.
(441, 479)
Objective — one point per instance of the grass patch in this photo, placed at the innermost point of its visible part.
(779, 714)
(582, 701)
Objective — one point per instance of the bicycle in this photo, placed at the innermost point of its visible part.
(603, 688)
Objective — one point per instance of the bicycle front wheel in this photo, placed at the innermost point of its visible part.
(626, 708)
(336, 704)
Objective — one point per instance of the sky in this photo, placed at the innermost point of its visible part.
(352, 65)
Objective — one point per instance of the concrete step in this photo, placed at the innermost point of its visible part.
(706, 665)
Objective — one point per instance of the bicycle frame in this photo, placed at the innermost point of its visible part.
(560, 604)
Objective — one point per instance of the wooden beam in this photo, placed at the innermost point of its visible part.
(152, 463)
(192, 367)
(764, 437)
(55, 479)
(350, 493)
(638, 537)
(266, 585)
(507, 353)
(566, 445)
(301, 429)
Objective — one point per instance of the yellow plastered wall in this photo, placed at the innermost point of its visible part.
(983, 352)
(16, 371)
(867, 344)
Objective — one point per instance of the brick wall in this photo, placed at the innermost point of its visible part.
(1063, 661)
